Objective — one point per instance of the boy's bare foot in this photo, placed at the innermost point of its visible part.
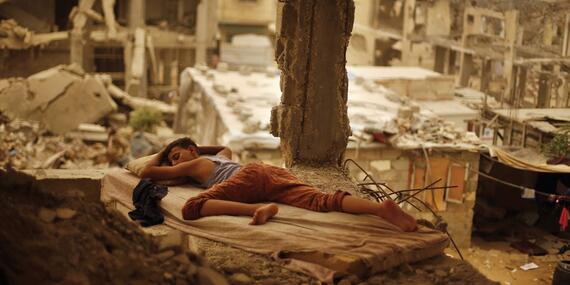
(264, 213)
(392, 213)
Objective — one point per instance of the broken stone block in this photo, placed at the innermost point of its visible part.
(166, 255)
(208, 276)
(46, 215)
(85, 101)
(13, 100)
(61, 97)
(65, 213)
(174, 240)
(240, 279)
(405, 112)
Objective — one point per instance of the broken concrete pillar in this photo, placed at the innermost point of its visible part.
(312, 119)
(137, 14)
(79, 50)
(206, 25)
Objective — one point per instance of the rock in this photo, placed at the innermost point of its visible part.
(440, 273)
(173, 241)
(240, 279)
(65, 213)
(182, 259)
(207, 276)
(165, 255)
(47, 215)
(168, 276)
(344, 282)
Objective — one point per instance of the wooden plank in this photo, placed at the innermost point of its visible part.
(456, 177)
(439, 167)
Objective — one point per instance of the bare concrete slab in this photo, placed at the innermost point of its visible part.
(84, 183)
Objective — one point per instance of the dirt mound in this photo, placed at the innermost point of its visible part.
(48, 239)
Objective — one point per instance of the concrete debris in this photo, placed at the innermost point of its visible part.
(65, 213)
(11, 32)
(14, 36)
(428, 130)
(90, 133)
(91, 243)
(135, 102)
(208, 276)
(47, 215)
(241, 279)
(25, 146)
(61, 97)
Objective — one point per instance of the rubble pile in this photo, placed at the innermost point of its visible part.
(64, 118)
(49, 239)
(11, 34)
(25, 146)
(417, 129)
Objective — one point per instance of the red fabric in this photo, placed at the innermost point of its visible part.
(563, 219)
(258, 182)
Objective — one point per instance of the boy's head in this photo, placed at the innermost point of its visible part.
(180, 150)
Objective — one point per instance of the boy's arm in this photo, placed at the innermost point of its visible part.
(185, 169)
(216, 150)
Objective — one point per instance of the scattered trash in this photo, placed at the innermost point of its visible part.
(529, 266)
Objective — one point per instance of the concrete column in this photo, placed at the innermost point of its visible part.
(511, 35)
(136, 76)
(206, 27)
(407, 29)
(80, 52)
(566, 40)
(312, 119)
(137, 14)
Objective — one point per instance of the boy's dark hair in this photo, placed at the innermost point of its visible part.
(184, 142)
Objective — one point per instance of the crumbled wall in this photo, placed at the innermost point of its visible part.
(312, 119)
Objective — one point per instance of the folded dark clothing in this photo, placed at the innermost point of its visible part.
(146, 196)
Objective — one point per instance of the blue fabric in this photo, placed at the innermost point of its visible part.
(146, 196)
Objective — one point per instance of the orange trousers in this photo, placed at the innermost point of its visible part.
(257, 182)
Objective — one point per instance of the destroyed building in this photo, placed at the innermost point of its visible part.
(452, 109)
(138, 43)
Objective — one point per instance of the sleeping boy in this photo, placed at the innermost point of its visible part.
(233, 189)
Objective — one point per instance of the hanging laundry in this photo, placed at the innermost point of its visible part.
(563, 221)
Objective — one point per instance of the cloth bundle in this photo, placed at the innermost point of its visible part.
(146, 196)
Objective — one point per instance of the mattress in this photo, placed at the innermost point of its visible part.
(319, 244)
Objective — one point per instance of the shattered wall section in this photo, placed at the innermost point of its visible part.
(311, 48)
(62, 98)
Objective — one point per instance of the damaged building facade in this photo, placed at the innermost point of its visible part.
(143, 45)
